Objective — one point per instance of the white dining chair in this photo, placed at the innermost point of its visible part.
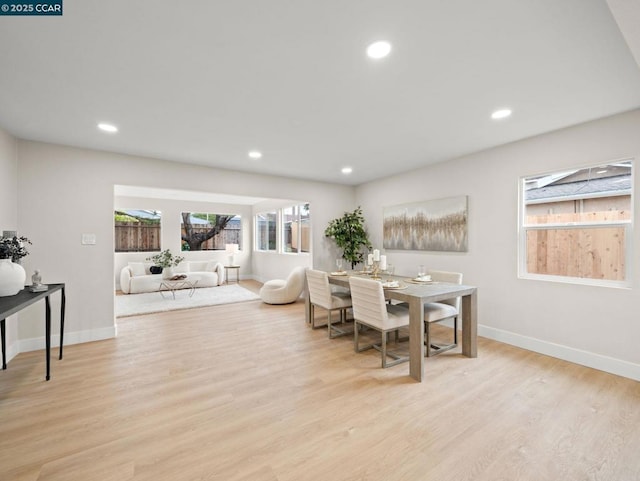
(371, 310)
(442, 311)
(320, 294)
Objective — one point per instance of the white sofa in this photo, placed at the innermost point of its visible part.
(136, 276)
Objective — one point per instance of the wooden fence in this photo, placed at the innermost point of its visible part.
(139, 237)
(291, 238)
(583, 252)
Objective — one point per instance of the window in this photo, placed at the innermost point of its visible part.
(266, 231)
(295, 228)
(203, 231)
(137, 230)
(576, 225)
(284, 230)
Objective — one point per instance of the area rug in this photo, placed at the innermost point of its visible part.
(134, 304)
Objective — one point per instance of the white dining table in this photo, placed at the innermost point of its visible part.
(417, 295)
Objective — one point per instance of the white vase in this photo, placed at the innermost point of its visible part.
(12, 277)
(167, 272)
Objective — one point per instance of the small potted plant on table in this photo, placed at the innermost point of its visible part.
(167, 261)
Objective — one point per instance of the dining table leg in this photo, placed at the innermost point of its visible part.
(416, 339)
(470, 325)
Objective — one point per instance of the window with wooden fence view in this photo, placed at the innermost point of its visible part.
(296, 229)
(577, 223)
(206, 231)
(137, 230)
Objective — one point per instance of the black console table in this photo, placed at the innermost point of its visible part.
(11, 304)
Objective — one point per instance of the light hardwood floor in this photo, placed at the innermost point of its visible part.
(248, 392)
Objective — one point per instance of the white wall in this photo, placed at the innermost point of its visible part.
(9, 214)
(595, 326)
(65, 192)
(8, 182)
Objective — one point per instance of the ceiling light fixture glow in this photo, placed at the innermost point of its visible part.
(254, 154)
(501, 114)
(112, 129)
(347, 170)
(379, 49)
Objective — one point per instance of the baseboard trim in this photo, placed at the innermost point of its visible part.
(12, 351)
(77, 337)
(584, 358)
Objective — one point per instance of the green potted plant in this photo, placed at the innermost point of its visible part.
(350, 235)
(167, 261)
(12, 274)
(14, 248)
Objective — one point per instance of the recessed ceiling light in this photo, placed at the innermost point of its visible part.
(254, 154)
(112, 129)
(501, 114)
(347, 170)
(379, 49)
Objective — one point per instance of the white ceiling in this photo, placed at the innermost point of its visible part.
(206, 81)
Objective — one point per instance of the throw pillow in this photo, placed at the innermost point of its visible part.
(181, 268)
(197, 266)
(211, 266)
(155, 270)
(137, 268)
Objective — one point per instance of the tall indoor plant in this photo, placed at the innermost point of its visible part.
(350, 235)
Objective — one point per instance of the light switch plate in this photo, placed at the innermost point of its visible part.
(88, 239)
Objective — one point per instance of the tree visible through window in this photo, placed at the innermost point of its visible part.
(577, 223)
(206, 231)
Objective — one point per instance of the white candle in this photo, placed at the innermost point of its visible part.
(383, 263)
(376, 255)
(370, 259)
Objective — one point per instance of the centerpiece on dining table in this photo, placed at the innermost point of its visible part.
(377, 263)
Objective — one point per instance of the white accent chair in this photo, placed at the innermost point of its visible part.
(370, 309)
(442, 311)
(279, 291)
(320, 294)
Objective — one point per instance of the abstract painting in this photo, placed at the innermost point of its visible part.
(433, 225)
